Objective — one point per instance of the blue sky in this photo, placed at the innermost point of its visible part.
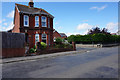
(70, 17)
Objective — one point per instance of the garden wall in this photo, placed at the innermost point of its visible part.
(13, 44)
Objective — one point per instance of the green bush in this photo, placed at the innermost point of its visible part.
(32, 50)
(35, 47)
(58, 40)
(63, 45)
(94, 38)
(67, 45)
(43, 45)
(59, 45)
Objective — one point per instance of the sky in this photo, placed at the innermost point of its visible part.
(70, 17)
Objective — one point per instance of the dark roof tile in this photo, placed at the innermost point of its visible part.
(32, 10)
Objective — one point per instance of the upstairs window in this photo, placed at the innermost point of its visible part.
(43, 18)
(36, 21)
(26, 20)
(48, 22)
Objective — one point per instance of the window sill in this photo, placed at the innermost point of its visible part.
(44, 26)
(26, 26)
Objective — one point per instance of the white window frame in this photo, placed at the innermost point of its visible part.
(27, 20)
(37, 38)
(44, 21)
(48, 22)
(36, 21)
(44, 38)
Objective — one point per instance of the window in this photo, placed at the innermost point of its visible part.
(48, 22)
(26, 20)
(36, 38)
(44, 38)
(36, 21)
(43, 21)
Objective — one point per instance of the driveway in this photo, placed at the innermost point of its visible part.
(97, 63)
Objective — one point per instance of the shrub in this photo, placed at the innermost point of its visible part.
(58, 40)
(32, 50)
(35, 47)
(59, 45)
(68, 46)
(43, 45)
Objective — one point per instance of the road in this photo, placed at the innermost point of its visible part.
(96, 63)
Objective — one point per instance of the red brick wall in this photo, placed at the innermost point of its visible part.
(56, 34)
(64, 37)
(31, 30)
(16, 22)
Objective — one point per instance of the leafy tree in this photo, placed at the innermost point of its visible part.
(58, 40)
(97, 30)
(71, 38)
(105, 31)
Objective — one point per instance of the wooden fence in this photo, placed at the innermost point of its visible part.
(13, 44)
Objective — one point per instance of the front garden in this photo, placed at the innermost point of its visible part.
(60, 45)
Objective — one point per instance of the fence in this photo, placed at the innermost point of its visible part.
(13, 44)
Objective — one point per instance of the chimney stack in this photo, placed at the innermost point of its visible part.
(31, 3)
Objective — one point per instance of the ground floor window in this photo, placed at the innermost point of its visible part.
(36, 38)
(44, 38)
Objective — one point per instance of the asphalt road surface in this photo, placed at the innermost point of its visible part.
(96, 63)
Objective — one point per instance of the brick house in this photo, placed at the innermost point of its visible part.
(60, 35)
(36, 23)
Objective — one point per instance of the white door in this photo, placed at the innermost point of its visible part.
(44, 38)
(36, 38)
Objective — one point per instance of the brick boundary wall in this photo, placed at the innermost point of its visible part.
(13, 44)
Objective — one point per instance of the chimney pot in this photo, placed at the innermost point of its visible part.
(31, 3)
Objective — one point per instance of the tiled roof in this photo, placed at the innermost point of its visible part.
(32, 10)
(62, 34)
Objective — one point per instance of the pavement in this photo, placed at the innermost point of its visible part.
(95, 63)
(17, 59)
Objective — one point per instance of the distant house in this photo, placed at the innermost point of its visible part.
(58, 35)
(36, 23)
(63, 35)
(113, 34)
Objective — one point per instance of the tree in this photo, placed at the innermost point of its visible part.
(105, 31)
(71, 38)
(97, 30)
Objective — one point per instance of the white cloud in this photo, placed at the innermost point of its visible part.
(0, 21)
(112, 27)
(11, 25)
(75, 33)
(84, 26)
(11, 14)
(98, 8)
(5, 24)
